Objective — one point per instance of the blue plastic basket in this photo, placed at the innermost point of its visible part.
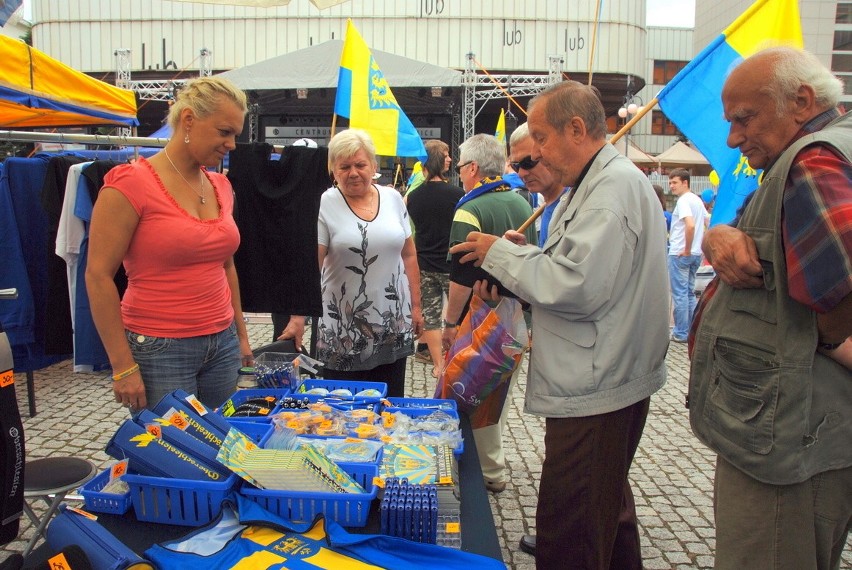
(259, 432)
(98, 502)
(418, 403)
(419, 412)
(178, 501)
(242, 396)
(353, 386)
(347, 509)
(341, 403)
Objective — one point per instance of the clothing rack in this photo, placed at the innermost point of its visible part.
(67, 138)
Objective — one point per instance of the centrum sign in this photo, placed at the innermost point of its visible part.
(285, 136)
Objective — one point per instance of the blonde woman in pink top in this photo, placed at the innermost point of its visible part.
(169, 220)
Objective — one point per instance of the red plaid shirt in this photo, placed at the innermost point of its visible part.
(816, 225)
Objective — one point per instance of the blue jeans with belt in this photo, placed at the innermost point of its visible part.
(205, 365)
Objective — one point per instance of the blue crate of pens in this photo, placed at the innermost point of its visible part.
(420, 404)
(253, 405)
(303, 401)
(277, 370)
(356, 388)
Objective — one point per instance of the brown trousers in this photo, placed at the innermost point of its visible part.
(586, 517)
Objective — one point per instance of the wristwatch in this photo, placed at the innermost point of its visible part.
(450, 325)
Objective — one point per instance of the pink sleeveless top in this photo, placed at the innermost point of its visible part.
(175, 262)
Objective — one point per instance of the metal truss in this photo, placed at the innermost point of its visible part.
(122, 78)
(157, 89)
(486, 87)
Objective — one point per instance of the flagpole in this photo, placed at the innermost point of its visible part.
(333, 125)
(594, 39)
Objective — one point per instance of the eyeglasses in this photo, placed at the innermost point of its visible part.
(527, 163)
(460, 166)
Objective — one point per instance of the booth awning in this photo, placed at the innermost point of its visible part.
(39, 91)
(681, 154)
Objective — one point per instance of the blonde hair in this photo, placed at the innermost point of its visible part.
(201, 95)
(346, 143)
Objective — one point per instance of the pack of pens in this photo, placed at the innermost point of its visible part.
(410, 511)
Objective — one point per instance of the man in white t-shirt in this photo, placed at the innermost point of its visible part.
(685, 237)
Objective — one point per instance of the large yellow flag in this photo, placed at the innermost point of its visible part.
(365, 98)
(693, 97)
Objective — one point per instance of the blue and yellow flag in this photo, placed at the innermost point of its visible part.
(500, 133)
(693, 98)
(365, 98)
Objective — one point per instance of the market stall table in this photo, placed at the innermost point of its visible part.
(478, 534)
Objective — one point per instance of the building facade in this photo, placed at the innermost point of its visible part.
(499, 37)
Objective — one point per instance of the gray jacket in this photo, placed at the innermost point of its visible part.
(599, 294)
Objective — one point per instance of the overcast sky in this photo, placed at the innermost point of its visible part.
(675, 13)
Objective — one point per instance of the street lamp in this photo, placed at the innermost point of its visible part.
(632, 105)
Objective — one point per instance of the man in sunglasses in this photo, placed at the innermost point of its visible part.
(600, 326)
(537, 178)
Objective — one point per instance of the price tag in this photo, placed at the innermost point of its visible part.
(177, 420)
(58, 562)
(154, 430)
(118, 469)
(7, 378)
(452, 528)
(378, 482)
(445, 481)
(388, 419)
(196, 404)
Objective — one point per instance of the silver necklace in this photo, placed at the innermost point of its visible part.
(200, 174)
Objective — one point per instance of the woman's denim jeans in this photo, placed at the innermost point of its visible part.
(202, 365)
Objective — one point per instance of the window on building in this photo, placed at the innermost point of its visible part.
(843, 40)
(664, 70)
(844, 13)
(846, 78)
(841, 62)
(661, 125)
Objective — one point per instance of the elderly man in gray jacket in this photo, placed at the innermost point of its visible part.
(598, 291)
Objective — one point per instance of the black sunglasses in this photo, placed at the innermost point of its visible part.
(527, 163)
(460, 166)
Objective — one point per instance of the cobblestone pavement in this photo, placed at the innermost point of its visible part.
(672, 473)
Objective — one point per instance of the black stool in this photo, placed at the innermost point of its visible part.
(51, 479)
